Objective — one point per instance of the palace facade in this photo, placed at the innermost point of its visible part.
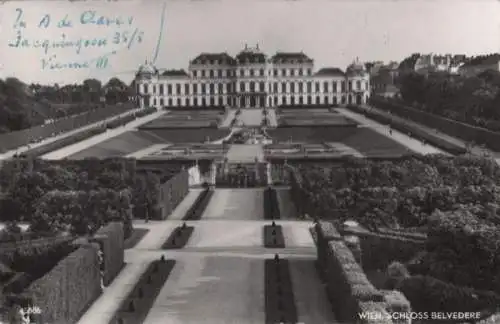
(252, 80)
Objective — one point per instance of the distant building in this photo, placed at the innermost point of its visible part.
(439, 63)
(252, 80)
(479, 64)
(383, 79)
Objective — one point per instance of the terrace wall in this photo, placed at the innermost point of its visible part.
(451, 127)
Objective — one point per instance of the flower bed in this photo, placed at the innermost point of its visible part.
(273, 236)
(178, 238)
(280, 304)
(200, 204)
(135, 307)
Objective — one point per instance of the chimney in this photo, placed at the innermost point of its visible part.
(246, 46)
(257, 46)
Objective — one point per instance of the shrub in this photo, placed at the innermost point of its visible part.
(377, 309)
(68, 289)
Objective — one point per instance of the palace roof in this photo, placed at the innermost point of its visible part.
(175, 73)
(290, 57)
(331, 71)
(248, 56)
(214, 58)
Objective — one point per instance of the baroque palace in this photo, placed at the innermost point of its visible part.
(252, 80)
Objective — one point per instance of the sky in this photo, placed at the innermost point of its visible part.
(333, 33)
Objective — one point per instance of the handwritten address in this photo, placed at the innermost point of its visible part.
(117, 33)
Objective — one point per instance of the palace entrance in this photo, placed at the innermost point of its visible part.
(251, 100)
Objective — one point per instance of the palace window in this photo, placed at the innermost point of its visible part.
(161, 102)
(317, 87)
(195, 101)
(221, 88)
(203, 103)
(358, 85)
(350, 85)
(242, 87)
(212, 102)
(261, 72)
(275, 71)
(242, 72)
(170, 102)
(283, 87)
(186, 89)
(309, 100)
(309, 87)
(342, 85)
(275, 101)
(292, 87)
(178, 89)
(283, 72)
(195, 74)
(300, 72)
(179, 102)
(202, 73)
(292, 72)
(203, 88)
(292, 100)
(195, 88)
(154, 101)
(317, 100)
(334, 100)
(301, 86)
(251, 72)
(211, 88)
(262, 86)
(301, 100)
(169, 89)
(283, 100)
(211, 73)
(161, 89)
(334, 86)
(325, 86)
(275, 87)
(309, 72)
(219, 73)
(326, 100)
(252, 86)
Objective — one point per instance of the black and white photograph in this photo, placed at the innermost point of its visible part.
(250, 162)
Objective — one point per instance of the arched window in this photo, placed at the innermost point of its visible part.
(170, 102)
(325, 86)
(261, 72)
(212, 101)
(252, 86)
(275, 101)
(326, 100)
(262, 86)
(309, 100)
(283, 87)
(301, 87)
(178, 102)
(283, 100)
(301, 100)
(212, 88)
(203, 102)
(275, 87)
(292, 87)
(211, 73)
(203, 88)
(292, 100)
(309, 87)
(195, 101)
(317, 100)
(242, 87)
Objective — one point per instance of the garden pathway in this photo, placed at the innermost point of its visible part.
(410, 143)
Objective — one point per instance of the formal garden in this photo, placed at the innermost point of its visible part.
(428, 227)
(68, 206)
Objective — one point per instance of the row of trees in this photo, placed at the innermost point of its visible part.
(455, 200)
(470, 99)
(23, 106)
(75, 196)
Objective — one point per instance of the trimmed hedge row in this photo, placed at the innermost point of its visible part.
(111, 240)
(454, 128)
(280, 304)
(13, 140)
(120, 121)
(271, 206)
(415, 132)
(347, 283)
(178, 238)
(63, 142)
(65, 292)
(145, 112)
(174, 191)
(325, 232)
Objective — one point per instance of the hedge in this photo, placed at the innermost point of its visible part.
(69, 288)
(13, 140)
(120, 121)
(111, 238)
(145, 112)
(378, 312)
(63, 142)
(347, 284)
(174, 191)
(326, 232)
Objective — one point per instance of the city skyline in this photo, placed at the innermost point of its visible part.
(372, 31)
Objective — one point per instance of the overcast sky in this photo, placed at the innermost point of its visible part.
(331, 32)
